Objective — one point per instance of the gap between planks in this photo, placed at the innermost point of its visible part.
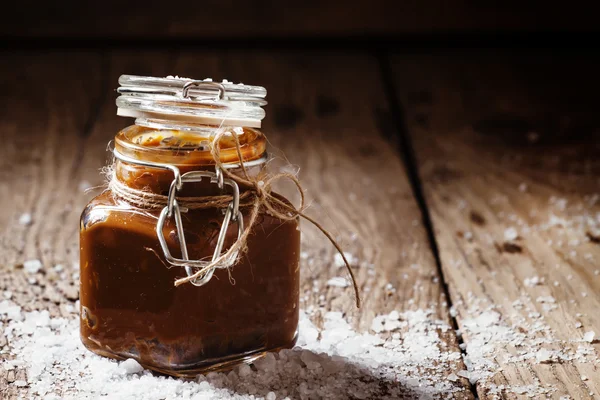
(407, 152)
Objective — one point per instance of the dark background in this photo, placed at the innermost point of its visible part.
(374, 24)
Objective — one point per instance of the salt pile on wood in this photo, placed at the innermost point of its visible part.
(405, 358)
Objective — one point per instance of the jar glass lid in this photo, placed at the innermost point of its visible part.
(188, 100)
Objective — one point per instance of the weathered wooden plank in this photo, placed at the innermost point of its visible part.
(509, 158)
(48, 101)
(354, 179)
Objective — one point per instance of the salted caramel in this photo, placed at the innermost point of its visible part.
(130, 307)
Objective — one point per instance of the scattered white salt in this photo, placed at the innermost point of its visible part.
(452, 377)
(10, 310)
(533, 281)
(546, 299)
(543, 356)
(333, 363)
(338, 281)
(338, 260)
(25, 219)
(464, 374)
(32, 266)
(7, 294)
(510, 234)
(386, 323)
(182, 78)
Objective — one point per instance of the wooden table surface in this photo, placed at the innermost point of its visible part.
(469, 181)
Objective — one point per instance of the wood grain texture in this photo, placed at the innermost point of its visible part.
(264, 19)
(509, 157)
(316, 116)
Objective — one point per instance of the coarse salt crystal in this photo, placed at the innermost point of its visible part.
(131, 366)
(452, 377)
(25, 219)
(578, 325)
(338, 281)
(338, 260)
(533, 281)
(589, 336)
(32, 266)
(463, 373)
(543, 356)
(510, 234)
(11, 310)
(545, 299)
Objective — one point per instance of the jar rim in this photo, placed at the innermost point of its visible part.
(189, 100)
(252, 147)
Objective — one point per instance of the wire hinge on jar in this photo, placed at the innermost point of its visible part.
(173, 210)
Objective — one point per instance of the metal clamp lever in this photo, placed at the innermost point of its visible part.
(172, 209)
(232, 212)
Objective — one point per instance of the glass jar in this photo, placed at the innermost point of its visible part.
(157, 223)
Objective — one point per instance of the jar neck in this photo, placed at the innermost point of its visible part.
(188, 150)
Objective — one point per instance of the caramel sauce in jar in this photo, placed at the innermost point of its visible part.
(130, 307)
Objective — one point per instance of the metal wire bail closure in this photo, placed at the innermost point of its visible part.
(188, 85)
(172, 209)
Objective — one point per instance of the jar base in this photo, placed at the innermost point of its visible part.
(204, 367)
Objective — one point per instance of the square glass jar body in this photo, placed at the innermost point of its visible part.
(130, 307)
